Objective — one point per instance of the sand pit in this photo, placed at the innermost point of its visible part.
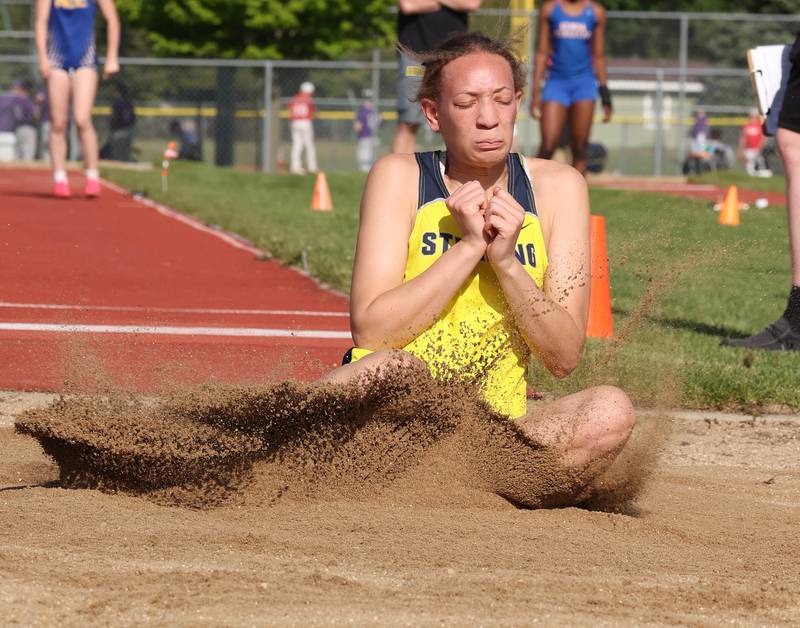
(387, 519)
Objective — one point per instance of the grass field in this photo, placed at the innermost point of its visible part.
(679, 281)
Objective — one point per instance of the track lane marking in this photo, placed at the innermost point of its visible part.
(250, 332)
(174, 310)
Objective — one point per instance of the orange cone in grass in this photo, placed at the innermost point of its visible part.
(729, 212)
(321, 200)
(600, 324)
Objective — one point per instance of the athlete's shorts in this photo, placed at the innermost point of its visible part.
(353, 354)
(70, 62)
(789, 116)
(408, 82)
(570, 90)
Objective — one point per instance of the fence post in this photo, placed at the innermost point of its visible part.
(682, 71)
(659, 122)
(266, 128)
(376, 90)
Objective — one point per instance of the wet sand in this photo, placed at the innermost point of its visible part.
(335, 530)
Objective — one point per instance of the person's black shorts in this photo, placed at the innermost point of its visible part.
(789, 117)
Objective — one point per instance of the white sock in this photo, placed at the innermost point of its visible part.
(92, 173)
(60, 176)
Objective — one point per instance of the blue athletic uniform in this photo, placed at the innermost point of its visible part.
(70, 36)
(570, 75)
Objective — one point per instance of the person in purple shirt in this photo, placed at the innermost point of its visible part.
(25, 117)
(366, 127)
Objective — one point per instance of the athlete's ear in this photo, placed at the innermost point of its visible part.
(518, 98)
(431, 112)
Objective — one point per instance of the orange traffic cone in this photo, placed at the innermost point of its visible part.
(600, 324)
(321, 200)
(729, 212)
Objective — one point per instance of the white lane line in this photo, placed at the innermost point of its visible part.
(175, 310)
(252, 332)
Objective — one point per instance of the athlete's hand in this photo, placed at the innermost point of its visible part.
(110, 68)
(44, 68)
(536, 105)
(468, 205)
(607, 112)
(504, 218)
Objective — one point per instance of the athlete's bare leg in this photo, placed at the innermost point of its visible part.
(587, 429)
(405, 138)
(58, 87)
(580, 120)
(789, 145)
(554, 114)
(84, 88)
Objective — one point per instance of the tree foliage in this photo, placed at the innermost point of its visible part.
(261, 29)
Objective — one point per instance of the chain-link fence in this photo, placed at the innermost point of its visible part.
(662, 67)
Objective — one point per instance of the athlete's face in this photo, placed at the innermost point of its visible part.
(476, 109)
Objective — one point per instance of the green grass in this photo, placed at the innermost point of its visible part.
(679, 281)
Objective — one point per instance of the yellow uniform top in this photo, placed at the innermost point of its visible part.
(473, 339)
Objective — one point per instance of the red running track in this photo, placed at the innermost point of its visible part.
(116, 291)
(690, 190)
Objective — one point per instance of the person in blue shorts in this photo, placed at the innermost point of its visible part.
(571, 52)
(65, 44)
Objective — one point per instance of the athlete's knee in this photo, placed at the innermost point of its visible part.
(546, 150)
(58, 125)
(579, 150)
(614, 416)
(84, 122)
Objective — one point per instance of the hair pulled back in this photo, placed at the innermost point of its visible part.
(454, 47)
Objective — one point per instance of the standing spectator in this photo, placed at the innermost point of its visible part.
(751, 147)
(784, 333)
(421, 26)
(43, 137)
(366, 127)
(571, 46)
(123, 117)
(301, 114)
(8, 139)
(25, 117)
(185, 134)
(68, 62)
(699, 132)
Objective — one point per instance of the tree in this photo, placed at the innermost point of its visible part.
(261, 29)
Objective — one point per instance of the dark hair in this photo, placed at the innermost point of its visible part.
(460, 45)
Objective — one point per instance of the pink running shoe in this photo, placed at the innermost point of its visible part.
(61, 189)
(92, 188)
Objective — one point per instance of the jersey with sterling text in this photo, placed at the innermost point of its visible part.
(473, 338)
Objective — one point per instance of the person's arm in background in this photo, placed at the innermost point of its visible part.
(40, 34)
(109, 10)
(540, 59)
(428, 6)
(599, 61)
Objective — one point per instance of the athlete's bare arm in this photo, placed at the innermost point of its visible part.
(40, 34)
(385, 312)
(540, 60)
(599, 52)
(109, 10)
(552, 320)
(410, 7)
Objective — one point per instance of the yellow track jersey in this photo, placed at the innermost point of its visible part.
(473, 338)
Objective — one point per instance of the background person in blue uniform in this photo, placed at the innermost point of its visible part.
(65, 43)
(571, 49)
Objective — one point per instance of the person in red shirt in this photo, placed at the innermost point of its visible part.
(751, 146)
(301, 114)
